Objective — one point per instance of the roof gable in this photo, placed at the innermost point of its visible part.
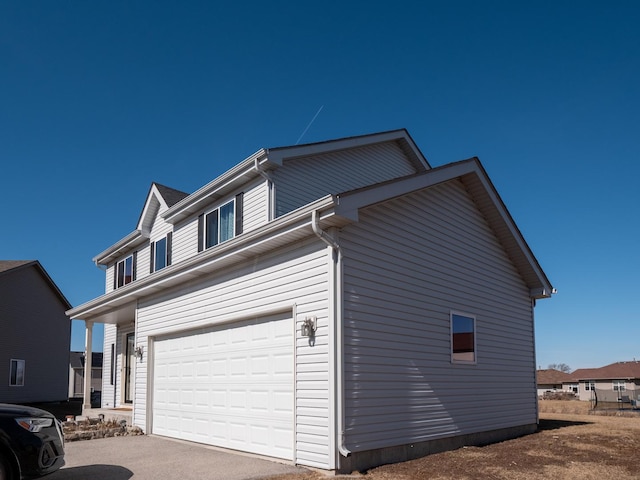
(159, 197)
(7, 267)
(279, 155)
(272, 158)
(475, 179)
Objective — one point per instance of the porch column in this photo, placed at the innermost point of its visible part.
(86, 403)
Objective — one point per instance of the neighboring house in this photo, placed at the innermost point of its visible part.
(551, 380)
(617, 381)
(35, 335)
(339, 305)
(76, 373)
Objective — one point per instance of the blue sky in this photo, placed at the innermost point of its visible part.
(99, 99)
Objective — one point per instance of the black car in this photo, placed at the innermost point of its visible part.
(31, 442)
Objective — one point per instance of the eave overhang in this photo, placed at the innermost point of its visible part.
(216, 189)
(128, 243)
(265, 159)
(119, 305)
(277, 156)
(476, 181)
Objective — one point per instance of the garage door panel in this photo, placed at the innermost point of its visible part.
(228, 386)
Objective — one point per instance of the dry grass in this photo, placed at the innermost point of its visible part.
(569, 444)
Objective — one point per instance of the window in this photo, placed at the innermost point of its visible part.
(589, 385)
(125, 271)
(619, 386)
(221, 224)
(16, 373)
(463, 338)
(160, 253)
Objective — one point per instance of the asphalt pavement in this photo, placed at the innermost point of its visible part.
(152, 458)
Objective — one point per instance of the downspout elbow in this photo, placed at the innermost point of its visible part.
(321, 234)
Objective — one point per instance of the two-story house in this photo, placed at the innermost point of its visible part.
(338, 304)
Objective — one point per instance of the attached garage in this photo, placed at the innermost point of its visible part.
(230, 386)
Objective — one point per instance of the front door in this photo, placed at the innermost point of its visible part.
(128, 368)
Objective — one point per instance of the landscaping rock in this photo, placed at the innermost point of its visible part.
(90, 429)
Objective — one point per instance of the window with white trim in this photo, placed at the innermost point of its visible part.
(160, 253)
(589, 385)
(16, 373)
(463, 338)
(619, 386)
(221, 224)
(125, 271)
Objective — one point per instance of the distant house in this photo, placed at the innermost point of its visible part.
(611, 383)
(35, 335)
(339, 305)
(551, 380)
(76, 373)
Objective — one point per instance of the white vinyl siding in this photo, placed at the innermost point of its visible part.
(255, 206)
(185, 240)
(408, 263)
(185, 236)
(294, 279)
(304, 180)
(111, 271)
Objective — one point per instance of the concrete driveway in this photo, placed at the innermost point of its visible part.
(151, 458)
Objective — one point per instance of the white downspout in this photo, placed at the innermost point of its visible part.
(270, 201)
(337, 312)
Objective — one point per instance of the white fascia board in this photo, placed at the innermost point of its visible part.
(133, 239)
(200, 197)
(188, 269)
(153, 193)
(278, 155)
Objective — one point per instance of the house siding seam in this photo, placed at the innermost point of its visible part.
(306, 179)
(407, 264)
(294, 279)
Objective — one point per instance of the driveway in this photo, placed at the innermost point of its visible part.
(150, 458)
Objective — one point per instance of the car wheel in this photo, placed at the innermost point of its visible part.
(5, 469)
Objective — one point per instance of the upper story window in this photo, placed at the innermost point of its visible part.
(125, 271)
(160, 253)
(221, 224)
(463, 338)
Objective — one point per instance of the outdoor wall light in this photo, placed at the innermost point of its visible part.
(309, 327)
(138, 352)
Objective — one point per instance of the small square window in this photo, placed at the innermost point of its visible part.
(16, 373)
(463, 338)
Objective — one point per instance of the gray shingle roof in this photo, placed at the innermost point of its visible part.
(6, 265)
(170, 195)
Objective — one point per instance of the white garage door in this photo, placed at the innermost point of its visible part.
(229, 386)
